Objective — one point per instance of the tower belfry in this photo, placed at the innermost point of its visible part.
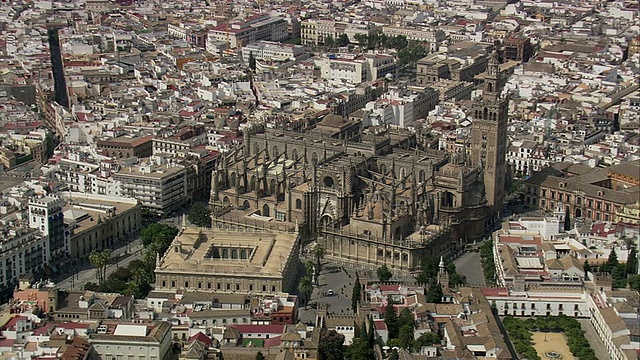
(489, 134)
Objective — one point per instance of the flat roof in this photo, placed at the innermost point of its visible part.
(201, 251)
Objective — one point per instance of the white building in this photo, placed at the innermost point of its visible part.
(268, 50)
(613, 316)
(22, 252)
(134, 341)
(45, 215)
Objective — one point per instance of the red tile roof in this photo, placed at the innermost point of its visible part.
(202, 338)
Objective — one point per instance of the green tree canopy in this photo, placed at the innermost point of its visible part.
(305, 287)
(200, 215)
(426, 339)
(634, 282)
(356, 293)
(159, 234)
(343, 40)
(391, 319)
(260, 356)
(384, 274)
(434, 293)
(406, 336)
(359, 350)
(331, 345)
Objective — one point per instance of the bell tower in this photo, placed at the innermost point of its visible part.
(489, 134)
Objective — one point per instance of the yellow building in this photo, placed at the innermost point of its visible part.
(229, 261)
(629, 214)
(96, 222)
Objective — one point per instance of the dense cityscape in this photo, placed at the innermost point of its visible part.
(329, 180)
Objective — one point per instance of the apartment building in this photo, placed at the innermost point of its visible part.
(45, 215)
(23, 251)
(316, 31)
(354, 69)
(162, 187)
(256, 28)
(432, 37)
(526, 157)
(125, 146)
(271, 51)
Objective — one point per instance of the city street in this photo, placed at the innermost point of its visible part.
(470, 266)
(340, 281)
(77, 281)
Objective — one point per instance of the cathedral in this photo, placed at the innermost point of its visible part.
(371, 196)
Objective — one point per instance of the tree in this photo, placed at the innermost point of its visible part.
(632, 261)
(434, 293)
(356, 294)
(308, 267)
(611, 263)
(259, 356)
(406, 318)
(426, 339)
(318, 254)
(391, 319)
(406, 336)
(634, 282)
(359, 350)
(329, 42)
(200, 215)
(362, 39)
(567, 219)
(384, 274)
(100, 260)
(331, 345)
(160, 234)
(343, 40)
(371, 340)
(252, 64)
(305, 287)
(429, 269)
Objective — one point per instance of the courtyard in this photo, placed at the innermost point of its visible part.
(551, 346)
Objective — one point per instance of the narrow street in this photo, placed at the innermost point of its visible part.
(594, 340)
(79, 279)
(470, 266)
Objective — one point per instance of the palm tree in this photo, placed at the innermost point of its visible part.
(318, 253)
(309, 268)
(105, 258)
(305, 287)
(94, 259)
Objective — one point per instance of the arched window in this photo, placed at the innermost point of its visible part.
(225, 253)
(243, 254)
(298, 204)
(234, 254)
(272, 186)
